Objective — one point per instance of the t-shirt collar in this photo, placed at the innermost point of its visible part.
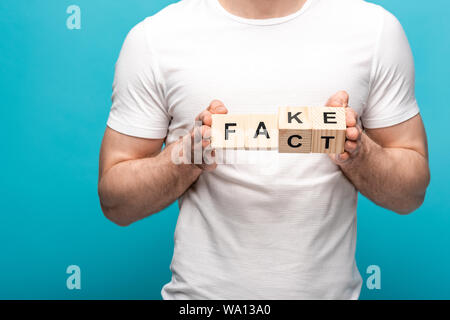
(262, 22)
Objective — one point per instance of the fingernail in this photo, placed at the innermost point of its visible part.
(220, 109)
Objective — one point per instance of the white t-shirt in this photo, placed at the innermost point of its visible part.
(281, 226)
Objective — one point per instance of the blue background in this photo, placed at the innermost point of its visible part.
(55, 87)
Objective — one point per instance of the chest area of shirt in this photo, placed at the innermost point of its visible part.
(258, 76)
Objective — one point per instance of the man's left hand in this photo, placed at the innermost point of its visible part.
(353, 133)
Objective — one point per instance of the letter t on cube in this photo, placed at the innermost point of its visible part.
(329, 128)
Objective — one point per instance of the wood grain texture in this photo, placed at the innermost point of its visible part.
(228, 131)
(261, 132)
(294, 141)
(292, 130)
(295, 130)
(328, 134)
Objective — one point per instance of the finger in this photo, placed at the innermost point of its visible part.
(342, 157)
(209, 159)
(339, 99)
(201, 133)
(209, 162)
(206, 136)
(351, 117)
(196, 135)
(352, 133)
(350, 146)
(206, 132)
(205, 118)
(217, 107)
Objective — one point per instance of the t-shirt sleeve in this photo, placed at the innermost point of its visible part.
(138, 105)
(391, 97)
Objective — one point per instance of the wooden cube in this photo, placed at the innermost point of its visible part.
(328, 134)
(295, 130)
(261, 132)
(228, 131)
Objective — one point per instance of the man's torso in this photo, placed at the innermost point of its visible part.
(269, 225)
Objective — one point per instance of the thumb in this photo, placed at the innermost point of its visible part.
(339, 99)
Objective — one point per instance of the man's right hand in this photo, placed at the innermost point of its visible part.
(200, 137)
(137, 179)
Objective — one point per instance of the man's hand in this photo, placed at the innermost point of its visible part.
(387, 165)
(137, 179)
(200, 137)
(353, 133)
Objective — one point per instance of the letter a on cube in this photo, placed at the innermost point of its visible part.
(295, 130)
(262, 132)
(228, 131)
(328, 129)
